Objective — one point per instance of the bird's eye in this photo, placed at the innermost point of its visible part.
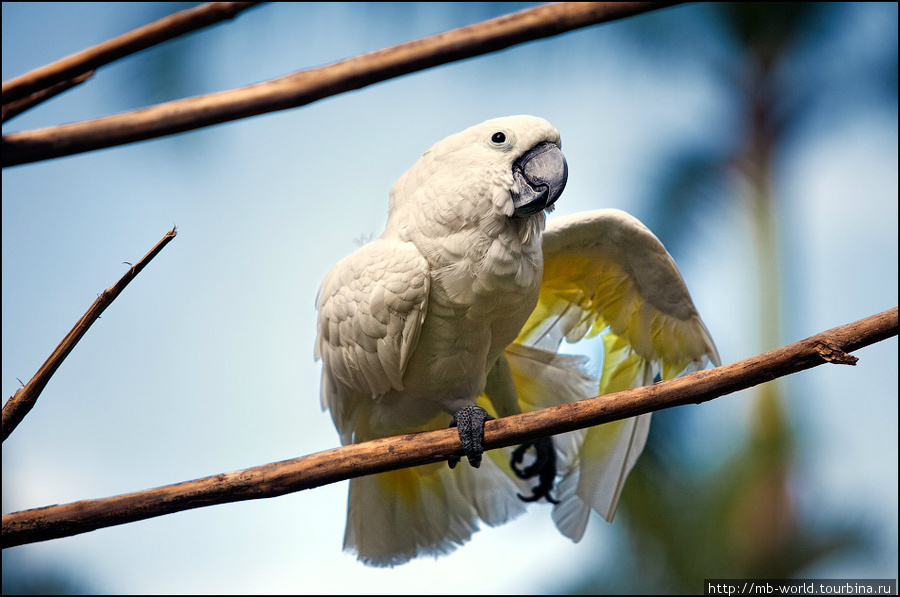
(498, 138)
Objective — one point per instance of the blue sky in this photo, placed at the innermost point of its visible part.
(205, 363)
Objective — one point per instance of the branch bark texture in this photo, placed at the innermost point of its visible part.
(304, 87)
(376, 456)
(136, 40)
(20, 403)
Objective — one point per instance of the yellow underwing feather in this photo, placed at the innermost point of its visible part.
(605, 269)
(605, 273)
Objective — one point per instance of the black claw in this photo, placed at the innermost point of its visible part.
(469, 420)
(544, 467)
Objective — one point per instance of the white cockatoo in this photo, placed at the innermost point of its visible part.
(455, 314)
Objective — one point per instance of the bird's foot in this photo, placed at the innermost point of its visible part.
(543, 467)
(469, 421)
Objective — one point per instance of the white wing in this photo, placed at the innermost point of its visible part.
(605, 268)
(371, 307)
(605, 272)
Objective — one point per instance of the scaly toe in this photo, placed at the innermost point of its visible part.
(469, 421)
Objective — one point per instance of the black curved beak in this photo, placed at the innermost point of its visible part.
(540, 175)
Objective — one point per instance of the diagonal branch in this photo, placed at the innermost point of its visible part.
(15, 107)
(307, 86)
(20, 403)
(136, 40)
(391, 453)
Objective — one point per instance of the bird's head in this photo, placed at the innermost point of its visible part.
(511, 166)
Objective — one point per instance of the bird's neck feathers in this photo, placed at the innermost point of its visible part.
(431, 206)
(458, 225)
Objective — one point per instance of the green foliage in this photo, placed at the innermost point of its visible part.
(736, 520)
(739, 519)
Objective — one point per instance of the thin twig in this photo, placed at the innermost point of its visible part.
(20, 403)
(304, 87)
(322, 468)
(136, 40)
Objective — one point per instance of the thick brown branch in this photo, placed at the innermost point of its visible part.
(136, 40)
(305, 87)
(20, 403)
(279, 478)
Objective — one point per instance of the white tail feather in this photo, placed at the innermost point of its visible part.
(594, 462)
(427, 510)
